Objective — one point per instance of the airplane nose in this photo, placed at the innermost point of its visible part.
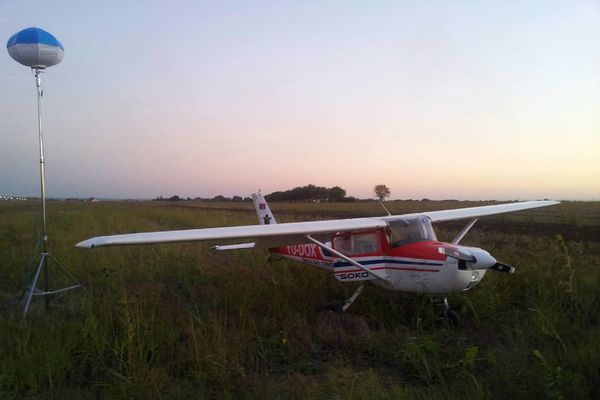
(483, 259)
(474, 258)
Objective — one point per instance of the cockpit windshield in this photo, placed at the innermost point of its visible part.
(410, 230)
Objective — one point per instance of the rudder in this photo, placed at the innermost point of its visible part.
(265, 216)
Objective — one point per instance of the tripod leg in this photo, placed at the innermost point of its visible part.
(65, 271)
(46, 296)
(34, 283)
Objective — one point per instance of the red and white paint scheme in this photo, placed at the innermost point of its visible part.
(397, 252)
(405, 254)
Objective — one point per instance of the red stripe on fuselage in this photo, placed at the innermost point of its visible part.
(428, 250)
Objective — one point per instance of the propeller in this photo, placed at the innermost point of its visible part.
(457, 253)
(503, 268)
(474, 258)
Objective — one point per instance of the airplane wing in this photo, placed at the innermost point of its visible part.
(475, 212)
(265, 235)
(296, 232)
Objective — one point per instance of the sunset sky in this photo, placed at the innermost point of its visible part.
(437, 99)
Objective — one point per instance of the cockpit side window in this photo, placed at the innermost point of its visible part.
(343, 243)
(410, 230)
(357, 243)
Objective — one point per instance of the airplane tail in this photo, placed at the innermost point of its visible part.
(265, 216)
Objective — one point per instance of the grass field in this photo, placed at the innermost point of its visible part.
(179, 321)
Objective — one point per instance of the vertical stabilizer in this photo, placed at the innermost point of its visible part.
(265, 216)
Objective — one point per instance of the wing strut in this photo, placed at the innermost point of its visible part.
(346, 258)
(464, 231)
(353, 297)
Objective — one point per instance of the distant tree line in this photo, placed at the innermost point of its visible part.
(219, 198)
(310, 193)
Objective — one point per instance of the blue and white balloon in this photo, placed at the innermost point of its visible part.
(35, 48)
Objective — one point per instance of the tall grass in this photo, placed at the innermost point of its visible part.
(180, 321)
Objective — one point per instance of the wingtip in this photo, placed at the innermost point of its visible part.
(551, 202)
(86, 244)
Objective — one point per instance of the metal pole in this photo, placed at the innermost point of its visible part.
(45, 256)
(38, 82)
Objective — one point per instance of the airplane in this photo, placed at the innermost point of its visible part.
(395, 252)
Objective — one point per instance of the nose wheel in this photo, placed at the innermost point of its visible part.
(450, 315)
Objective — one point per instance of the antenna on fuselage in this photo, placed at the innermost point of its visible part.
(384, 207)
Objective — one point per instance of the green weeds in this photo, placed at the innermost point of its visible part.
(180, 321)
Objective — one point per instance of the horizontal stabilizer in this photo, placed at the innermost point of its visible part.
(239, 246)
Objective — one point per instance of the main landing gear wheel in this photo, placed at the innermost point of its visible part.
(335, 307)
(340, 308)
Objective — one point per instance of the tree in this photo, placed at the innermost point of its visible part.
(220, 198)
(381, 192)
(309, 193)
(336, 193)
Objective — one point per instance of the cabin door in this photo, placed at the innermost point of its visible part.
(365, 247)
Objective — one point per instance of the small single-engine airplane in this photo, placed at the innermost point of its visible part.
(397, 252)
